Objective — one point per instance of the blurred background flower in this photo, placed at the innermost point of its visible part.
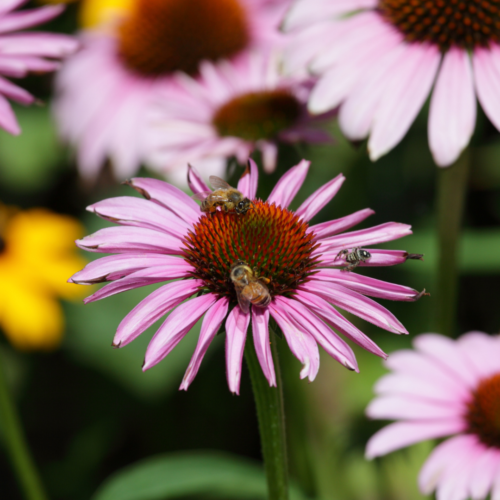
(36, 255)
(444, 388)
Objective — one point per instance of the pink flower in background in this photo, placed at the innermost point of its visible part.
(165, 237)
(379, 59)
(229, 110)
(446, 387)
(26, 52)
(104, 91)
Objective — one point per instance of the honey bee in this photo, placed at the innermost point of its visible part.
(354, 258)
(250, 288)
(223, 195)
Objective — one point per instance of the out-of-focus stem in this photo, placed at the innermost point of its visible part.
(270, 414)
(451, 193)
(16, 446)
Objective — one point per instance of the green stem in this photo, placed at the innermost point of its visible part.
(16, 445)
(451, 192)
(270, 413)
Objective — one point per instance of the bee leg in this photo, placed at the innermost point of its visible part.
(350, 267)
(341, 253)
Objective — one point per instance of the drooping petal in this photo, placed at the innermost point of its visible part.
(260, 329)
(38, 44)
(356, 304)
(323, 335)
(175, 327)
(195, 182)
(289, 184)
(131, 239)
(378, 234)
(249, 180)
(325, 229)
(487, 80)
(320, 198)
(152, 308)
(402, 434)
(378, 257)
(301, 343)
(16, 93)
(236, 333)
(8, 120)
(130, 211)
(211, 323)
(367, 286)
(452, 113)
(329, 314)
(168, 196)
(483, 473)
(144, 277)
(403, 98)
(29, 18)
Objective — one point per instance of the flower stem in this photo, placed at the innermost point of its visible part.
(451, 192)
(270, 413)
(16, 445)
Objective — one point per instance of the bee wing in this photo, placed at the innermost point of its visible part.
(243, 301)
(218, 183)
(202, 196)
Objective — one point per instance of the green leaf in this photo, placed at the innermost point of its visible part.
(207, 474)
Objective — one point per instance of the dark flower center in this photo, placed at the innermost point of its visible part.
(270, 239)
(2, 245)
(164, 36)
(483, 414)
(447, 23)
(257, 115)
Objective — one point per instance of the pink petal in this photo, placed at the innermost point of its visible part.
(320, 198)
(438, 460)
(330, 315)
(8, 120)
(403, 98)
(8, 89)
(168, 196)
(378, 257)
(482, 352)
(483, 473)
(130, 240)
(130, 211)
(260, 328)
(175, 327)
(115, 267)
(195, 182)
(323, 335)
(301, 343)
(152, 308)
(287, 187)
(9, 5)
(401, 434)
(371, 236)
(356, 304)
(28, 18)
(144, 277)
(487, 79)
(236, 334)
(367, 286)
(38, 44)
(249, 180)
(211, 323)
(452, 113)
(408, 408)
(336, 226)
(269, 152)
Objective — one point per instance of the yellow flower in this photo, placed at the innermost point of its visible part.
(37, 254)
(95, 13)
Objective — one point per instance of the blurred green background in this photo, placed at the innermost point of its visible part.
(89, 411)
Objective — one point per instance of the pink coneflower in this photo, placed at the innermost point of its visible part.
(446, 387)
(231, 109)
(380, 58)
(105, 89)
(166, 237)
(26, 52)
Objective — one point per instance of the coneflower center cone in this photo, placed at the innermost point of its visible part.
(269, 238)
(446, 23)
(483, 414)
(160, 37)
(257, 115)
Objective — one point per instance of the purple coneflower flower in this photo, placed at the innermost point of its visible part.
(231, 109)
(26, 52)
(106, 88)
(166, 237)
(446, 387)
(380, 58)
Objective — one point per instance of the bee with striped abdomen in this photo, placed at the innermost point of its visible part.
(250, 288)
(353, 258)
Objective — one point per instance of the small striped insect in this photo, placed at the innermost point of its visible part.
(353, 258)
